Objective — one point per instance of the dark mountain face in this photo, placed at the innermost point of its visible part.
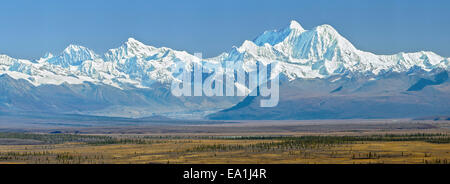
(87, 98)
(422, 83)
(387, 97)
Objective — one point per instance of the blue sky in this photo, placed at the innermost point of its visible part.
(29, 28)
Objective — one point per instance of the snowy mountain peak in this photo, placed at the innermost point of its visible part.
(73, 55)
(295, 25)
(328, 32)
(79, 52)
(277, 36)
(45, 58)
(247, 46)
(322, 42)
(74, 48)
(323, 52)
(326, 28)
(132, 42)
(131, 48)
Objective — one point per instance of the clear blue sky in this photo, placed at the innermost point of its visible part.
(29, 28)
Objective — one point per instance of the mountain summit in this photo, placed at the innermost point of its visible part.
(73, 55)
(322, 52)
(295, 25)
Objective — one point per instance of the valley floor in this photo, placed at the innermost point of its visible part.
(356, 144)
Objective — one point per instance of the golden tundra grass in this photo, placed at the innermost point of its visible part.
(174, 151)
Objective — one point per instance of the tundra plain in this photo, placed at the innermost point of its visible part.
(247, 142)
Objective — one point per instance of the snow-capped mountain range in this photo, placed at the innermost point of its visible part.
(323, 76)
(133, 64)
(317, 53)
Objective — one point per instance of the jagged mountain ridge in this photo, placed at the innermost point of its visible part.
(318, 53)
(136, 77)
(322, 52)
